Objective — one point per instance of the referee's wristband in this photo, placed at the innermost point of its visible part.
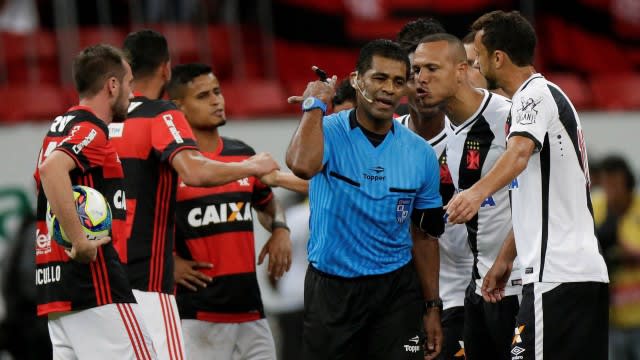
(312, 103)
(279, 225)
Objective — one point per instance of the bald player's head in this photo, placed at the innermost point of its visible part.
(455, 48)
(439, 68)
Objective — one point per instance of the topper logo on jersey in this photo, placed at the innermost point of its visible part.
(473, 154)
(43, 243)
(527, 113)
(375, 174)
(86, 141)
(219, 213)
(402, 210)
(60, 122)
(168, 119)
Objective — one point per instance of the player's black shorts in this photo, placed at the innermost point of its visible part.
(452, 328)
(371, 317)
(488, 327)
(562, 321)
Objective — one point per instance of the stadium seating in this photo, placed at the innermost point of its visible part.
(255, 98)
(40, 102)
(616, 91)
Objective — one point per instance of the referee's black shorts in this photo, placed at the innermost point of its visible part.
(562, 321)
(371, 317)
(488, 327)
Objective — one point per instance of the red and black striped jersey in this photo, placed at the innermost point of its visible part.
(63, 284)
(215, 225)
(153, 133)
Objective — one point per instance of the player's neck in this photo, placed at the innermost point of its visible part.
(151, 88)
(208, 140)
(100, 108)
(427, 127)
(516, 77)
(370, 124)
(464, 104)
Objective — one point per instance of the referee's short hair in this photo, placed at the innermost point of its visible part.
(146, 50)
(384, 48)
(412, 32)
(94, 65)
(509, 32)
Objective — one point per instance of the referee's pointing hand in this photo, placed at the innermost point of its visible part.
(319, 89)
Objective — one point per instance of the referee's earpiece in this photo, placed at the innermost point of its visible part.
(356, 86)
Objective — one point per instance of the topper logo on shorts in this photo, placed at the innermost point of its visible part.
(219, 213)
(413, 346)
(403, 206)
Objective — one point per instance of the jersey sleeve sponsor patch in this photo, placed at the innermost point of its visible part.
(85, 143)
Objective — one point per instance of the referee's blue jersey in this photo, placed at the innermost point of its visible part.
(361, 202)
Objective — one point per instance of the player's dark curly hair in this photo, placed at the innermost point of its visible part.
(384, 48)
(617, 164)
(412, 32)
(509, 32)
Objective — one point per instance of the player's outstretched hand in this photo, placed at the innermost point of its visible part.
(433, 329)
(463, 206)
(186, 273)
(323, 90)
(278, 247)
(87, 250)
(495, 281)
(263, 164)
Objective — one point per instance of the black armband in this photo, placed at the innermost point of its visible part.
(430, 221)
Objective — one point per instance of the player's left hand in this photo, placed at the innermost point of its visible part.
(464, 206)
(433, 329)
(278, 247)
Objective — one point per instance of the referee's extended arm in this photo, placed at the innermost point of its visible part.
(306, 150)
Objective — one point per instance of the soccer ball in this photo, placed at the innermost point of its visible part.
(94, 213)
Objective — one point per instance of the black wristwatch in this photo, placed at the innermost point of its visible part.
(435, 303)
(279, 224)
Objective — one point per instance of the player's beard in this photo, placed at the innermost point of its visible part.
(120, 107)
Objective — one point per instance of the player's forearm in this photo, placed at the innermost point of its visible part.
(306, 150)
(508, 250)
(427, 262)
(291, 182)
(272, 213)
(512, 162)
(196, 170)
(57, 188)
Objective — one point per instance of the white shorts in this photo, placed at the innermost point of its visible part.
(160, 314)
(112, 331)
(242, 341)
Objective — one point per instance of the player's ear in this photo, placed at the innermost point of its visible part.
(499, 58)
(112, 85)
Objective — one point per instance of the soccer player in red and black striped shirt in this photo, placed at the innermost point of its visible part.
(84, 290)
(218, 294)
(156, 145)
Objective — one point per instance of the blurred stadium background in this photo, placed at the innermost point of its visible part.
(262, 50)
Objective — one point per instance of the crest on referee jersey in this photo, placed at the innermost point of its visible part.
(403, 208)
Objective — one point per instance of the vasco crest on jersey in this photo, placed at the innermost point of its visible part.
(527, 113)
(403, 208)
(472, 151)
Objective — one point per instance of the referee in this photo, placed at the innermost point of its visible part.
(365, 294)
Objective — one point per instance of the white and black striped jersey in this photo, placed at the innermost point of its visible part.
(552, 213)
(473, 147)
(456, 259)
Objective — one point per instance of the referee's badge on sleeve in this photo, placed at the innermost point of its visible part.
(402, 210)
